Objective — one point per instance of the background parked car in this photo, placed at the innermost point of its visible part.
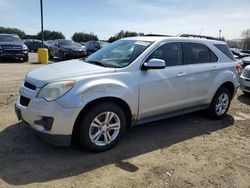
(93, 46)
(245, 61)
(238, 54)
(245, 80)
(83, 43)
(34, 44)
(66, 49)
(246, 51)
(11, 46)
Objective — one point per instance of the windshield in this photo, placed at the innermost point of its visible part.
(118, 54)
(9, 38)
(68, 43)
(103, 44)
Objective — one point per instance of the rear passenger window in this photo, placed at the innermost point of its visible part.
(171, 53)
(198, 53)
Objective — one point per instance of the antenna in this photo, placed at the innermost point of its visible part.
(200, 31)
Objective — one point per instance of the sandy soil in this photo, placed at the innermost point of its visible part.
(185, 151)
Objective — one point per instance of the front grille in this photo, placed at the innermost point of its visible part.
(246, 73)
(29, 85)
(24, 101)
(10, 48)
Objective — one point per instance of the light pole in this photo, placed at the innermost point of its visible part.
(41, 6)
(42, 52)
(220, 34)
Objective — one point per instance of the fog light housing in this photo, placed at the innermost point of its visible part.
(46, 122)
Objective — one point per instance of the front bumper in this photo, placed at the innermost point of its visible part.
(60, 131)
(14, 54)
(245, 84)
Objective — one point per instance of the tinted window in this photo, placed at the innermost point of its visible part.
(198, 53)
(224, 48)
(170, 52)
(67, 43)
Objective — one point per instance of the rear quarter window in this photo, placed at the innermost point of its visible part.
(225, 50)
(196, 53)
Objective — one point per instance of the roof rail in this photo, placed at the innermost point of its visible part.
(197, 36)
(156, 35)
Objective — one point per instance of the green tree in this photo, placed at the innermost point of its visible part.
(50, 35)
(84, 37)
(123, 34)
(9, 30)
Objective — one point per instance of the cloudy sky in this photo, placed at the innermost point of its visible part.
(107, 17)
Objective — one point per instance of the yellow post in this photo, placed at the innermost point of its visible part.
(43, 55)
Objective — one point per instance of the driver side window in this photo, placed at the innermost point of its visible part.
(171, 53)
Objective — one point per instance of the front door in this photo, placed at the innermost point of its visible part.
(164, 90)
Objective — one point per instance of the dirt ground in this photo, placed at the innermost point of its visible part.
(185, 151)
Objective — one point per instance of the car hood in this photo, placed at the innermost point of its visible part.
(11, 43)
(65, 70)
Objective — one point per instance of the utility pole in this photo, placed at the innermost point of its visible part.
(41, 6)
(220, 34)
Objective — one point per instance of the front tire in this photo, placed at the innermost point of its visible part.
(26, 58)
(220, 104)
(246, 93)
(61, 56)
(102, 127)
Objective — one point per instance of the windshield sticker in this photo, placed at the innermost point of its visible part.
(142, 43)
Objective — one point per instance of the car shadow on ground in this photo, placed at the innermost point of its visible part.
(25, 159)
(10, 60)
(244, 98)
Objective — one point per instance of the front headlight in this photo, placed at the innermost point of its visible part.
(24, 47)
(55, 90)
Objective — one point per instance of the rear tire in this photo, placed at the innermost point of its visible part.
(102, 127)
(220, 104)
(50, 56)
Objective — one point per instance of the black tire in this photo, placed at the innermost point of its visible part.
(246, 93)
(61, 56)
(50, 55)
(212, 107)
(26, 58)
(90, 115)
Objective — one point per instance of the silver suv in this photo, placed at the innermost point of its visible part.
(132, 81)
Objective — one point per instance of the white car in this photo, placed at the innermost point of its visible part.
(245, 80)
(130, 82)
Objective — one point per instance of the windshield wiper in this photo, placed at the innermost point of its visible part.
(97, 63)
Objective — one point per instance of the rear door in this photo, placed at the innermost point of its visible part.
(203, 68)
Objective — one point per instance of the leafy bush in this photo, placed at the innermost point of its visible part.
(123, 34)
(9, 30)
(84, 37)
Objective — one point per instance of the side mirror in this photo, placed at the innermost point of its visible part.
(154, 64)
(97, 47)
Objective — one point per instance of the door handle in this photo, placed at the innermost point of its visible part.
(214, 68)
(181, 74)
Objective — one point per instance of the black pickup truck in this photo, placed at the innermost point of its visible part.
(11, 46)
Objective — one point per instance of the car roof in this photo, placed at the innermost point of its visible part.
(179, 39)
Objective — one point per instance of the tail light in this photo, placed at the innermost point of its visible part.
(238, 67)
